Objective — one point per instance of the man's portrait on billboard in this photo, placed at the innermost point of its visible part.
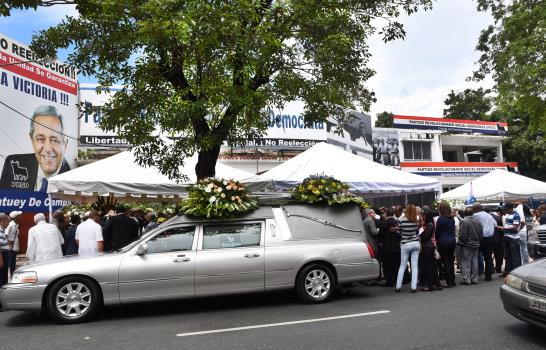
(31, 171)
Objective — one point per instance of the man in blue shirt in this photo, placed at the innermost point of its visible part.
(486, 245)
(512, 225)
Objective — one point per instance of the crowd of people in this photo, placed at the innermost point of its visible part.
(85, 235)
(428, 247)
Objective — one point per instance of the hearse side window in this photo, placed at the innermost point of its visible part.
(231, 236)
(172, 240)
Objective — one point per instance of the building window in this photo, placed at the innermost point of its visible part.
(449, 156)
(417, 150)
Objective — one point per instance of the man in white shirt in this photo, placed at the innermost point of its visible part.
(44, 241)
(12, 234)
(89, 236)
(383, 151)
(523, 235)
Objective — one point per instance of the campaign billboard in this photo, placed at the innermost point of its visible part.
(386, 147)
(355, 137)
(90, 133)
(286, 128)
(39, 123)
(446, 124)
(456, 168)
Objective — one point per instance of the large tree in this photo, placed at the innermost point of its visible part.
(208, 70)
(468, 104)
(384, 120)
(513, 53)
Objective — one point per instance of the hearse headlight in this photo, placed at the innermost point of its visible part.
(24, 277)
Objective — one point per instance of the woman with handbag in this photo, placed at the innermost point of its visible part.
(430, 254)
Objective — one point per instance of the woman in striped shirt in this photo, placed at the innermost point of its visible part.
(409, 249)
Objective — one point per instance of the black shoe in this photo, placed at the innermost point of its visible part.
(414, 290)
(465, 283)
(397, 290)
(474, 282)
(488, 278)
(502, 275)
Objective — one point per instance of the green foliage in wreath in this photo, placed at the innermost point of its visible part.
(103, 204)
(217, 198)
(325, 189)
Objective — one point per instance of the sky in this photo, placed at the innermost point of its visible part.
(413, 75)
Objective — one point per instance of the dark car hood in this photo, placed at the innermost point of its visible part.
(534, 272)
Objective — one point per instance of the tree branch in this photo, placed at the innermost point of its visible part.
(174, 72)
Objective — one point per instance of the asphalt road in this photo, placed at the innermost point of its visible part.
(465, 317)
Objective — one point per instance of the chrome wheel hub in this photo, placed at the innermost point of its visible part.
(73, 300)
(317, 284)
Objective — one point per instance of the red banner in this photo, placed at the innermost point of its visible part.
(38, 74)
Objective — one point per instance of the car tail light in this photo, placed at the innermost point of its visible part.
(370, 249)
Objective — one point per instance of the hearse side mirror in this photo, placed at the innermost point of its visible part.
(142, 249)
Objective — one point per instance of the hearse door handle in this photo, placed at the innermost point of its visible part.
(183, 258)
(254, 255)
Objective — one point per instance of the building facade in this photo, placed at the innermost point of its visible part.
(453, 151)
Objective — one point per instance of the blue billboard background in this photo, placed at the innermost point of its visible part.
(27, 201)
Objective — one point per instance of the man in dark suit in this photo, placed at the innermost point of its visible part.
(119, 230)
(31, 171)
(390, 236)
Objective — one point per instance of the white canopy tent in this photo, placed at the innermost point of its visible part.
(499, 185)
(363, 175)
(121, 177)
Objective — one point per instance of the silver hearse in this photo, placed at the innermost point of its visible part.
(312, 249)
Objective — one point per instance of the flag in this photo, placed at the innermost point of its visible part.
(471, 199)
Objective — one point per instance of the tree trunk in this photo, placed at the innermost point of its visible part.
(206, 163)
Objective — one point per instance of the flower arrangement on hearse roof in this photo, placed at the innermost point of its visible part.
(217, 198)
(325, 189)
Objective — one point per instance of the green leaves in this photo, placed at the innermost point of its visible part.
(384, 120)
(468, 104)
(207, 71)
(513, 53)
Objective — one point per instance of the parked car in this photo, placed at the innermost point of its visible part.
(312, 249)
(524, 293)
(537, 242)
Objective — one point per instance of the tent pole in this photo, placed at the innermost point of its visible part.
(50, 209)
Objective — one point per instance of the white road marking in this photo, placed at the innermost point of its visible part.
(223, 330)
